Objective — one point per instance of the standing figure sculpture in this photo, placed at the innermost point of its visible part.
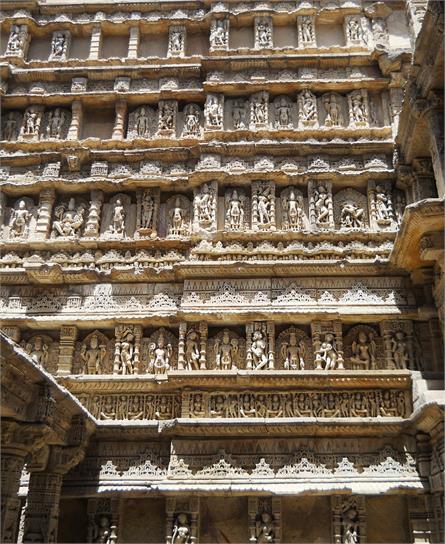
(258, 350)
(234, 211)
(192, 352)
(293, 211)
(93, 357)
(58, 45)
(226, 352)
(293, 353)
(264, 529)
(364, 350)
(181, 530)
(19, 220)
(160, 355)
(328, 353)
(117, 225)
(334, 116)
(10, 127)
(322, 202)
(399, 350)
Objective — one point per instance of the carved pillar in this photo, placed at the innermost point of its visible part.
(181, 345)
(133, 43)
(96, 43)
(397, 341)
(119, 123)
(271, 344)
(103, 516)
(264, 519)
(203, 333)
(74, 131)
(46, 202)
(68, 337)
(434, 118)
(424, 185)
(12, 463)
(396, 95)
(92, 225)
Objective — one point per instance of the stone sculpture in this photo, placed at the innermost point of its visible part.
(334, 114)
(219, 34)
(160, 355)
(227, 351)
(192, 126)
(307, 110)
(235, 210)
(167, 117)
(59, 45)
(125, 360)
(178, 217)
(204, 204)
(292, 209)
(117, 224)
(181, 530)
(364, 350)
(306, 31)
(327, 356)
(239, 114)
(293, 351)
(358, 109)
(259, 110)
(10, 127)
(399, 350)
(263, 206)
(214, 112)
(69, 219)
(264, 530)
(176, 41)
(263, 32)
(283, 117)
(38, 350)
(351, 216)
(93, 354)
(322, 204)
(19, 220)
(17, 40)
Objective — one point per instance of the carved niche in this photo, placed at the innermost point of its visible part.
(60, 45)
(381, 212)
(263, 33)
(239, 114)
(321, 212)
(22, 219)
(306, 31)
(31, 123)
(219, 35)
(103, 520)
(43, 350)
(204, 207)
(11, 123)
(260, 345)
(178, 216)
(333, 105)
(259, 110)
(192, 121)
(358, 106)
(307, 110)
(94, 355)
(147, 212)
(18, 41)
(182, 520)
(350, 210)
(263, 205)
(226, 351)
(92, 224)
(264, 520)
(236, 210)
(294, 350)
(176, 41)
(119, 217)
(398, 344)
(363, 348)
(141, 123)
(127, 349)
(160, 352)
(55, 124)
(327, 345)
(283, 113)
(214, 112)
(348, 519)
(192, 346)
(356, 30)
(293, 210)
(399, 205)
(69, 218)
(167, 117)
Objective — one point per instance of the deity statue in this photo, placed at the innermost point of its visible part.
(350, 526)
(19, 220)
(38, 351)
(147, 209)
(219, 33)
(364, 350)
(382, 205)
(293, 211)
(160, 355)
(234, 210)
(192, 352)
(258, 350)
(307, 30)
(166, 116)
(181, 530)
(226, 352)
(31, 122)
(16, 40)
(308, 108)
(351, 216)
(334, 116)
(358, 109)
(117, 225)
(10, 127)
(213, 112)
(56, 121)
(93, 357)
(399, 206)
(142, 123)
(58, 45)
(264, 34)
(239, 114)
(259, 110)
(283, 118)
(204, 205)
(176, 44)
(264, 206)
(264, 529)
(126, 352)
(322, 201)
(399, 350)
(69, 219)
(293, 353)
(328, 353)
(191, 121)
(178, 220)
(104, 532)
(354, 30)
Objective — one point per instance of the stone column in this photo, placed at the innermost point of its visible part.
(46, 202)
(271, 344)
(181, 345)
(119, 123)
(424, 185)
(12, 462)
(74, 131)
(96, 43)
(203, 333)
(133, 43)
(68, 337)
(92, 225)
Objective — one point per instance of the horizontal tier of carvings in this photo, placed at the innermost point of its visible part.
(260, 346)
(247, 405)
